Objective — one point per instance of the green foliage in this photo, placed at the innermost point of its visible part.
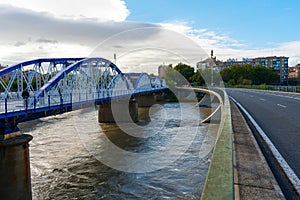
(174, 78)
(247, 74)
(197, 79)
(232, 81)
(246, 81)
(183, 74)
(228, 84)
(14, 86)
(179, 76)
(185, 70)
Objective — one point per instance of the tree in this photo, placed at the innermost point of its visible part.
(179, 75)
(185, 70)
(245, 74)
(197, 79)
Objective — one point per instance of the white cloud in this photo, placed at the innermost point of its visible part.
(226, 47)
(33, 35)
(33, 50)
(139, 46)
(101, 10)
(29, 34)
(158, 46)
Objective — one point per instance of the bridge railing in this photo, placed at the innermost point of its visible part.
(16, 104)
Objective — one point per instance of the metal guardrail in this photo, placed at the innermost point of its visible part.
(271, 87)
(283, 88)
(11, 105)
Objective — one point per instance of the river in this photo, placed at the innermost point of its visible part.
(68, 151)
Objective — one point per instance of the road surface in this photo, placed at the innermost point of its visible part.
(278, 114)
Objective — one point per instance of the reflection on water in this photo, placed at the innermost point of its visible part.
(64, 167)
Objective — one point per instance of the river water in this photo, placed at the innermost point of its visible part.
(68, 151)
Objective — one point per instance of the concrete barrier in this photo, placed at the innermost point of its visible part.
(219, 179)
(219, 183)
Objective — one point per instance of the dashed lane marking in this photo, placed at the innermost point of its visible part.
(283, 106)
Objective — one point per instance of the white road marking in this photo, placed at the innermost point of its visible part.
(283, 106)
(282, 162)
(296, 96)
(262, 99)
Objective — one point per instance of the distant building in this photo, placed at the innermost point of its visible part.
(162, 70)
(220, 65)
(294, 72)
(208, 63)
(279, 64)
(230, 62)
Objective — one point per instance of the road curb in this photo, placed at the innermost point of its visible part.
(253, 178)
(287, 179)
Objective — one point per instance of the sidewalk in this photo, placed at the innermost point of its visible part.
(253, 178)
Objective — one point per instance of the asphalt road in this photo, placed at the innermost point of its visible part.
(278, 114)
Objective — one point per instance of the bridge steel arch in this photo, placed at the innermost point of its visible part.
(121, 82)
(144, 81)
(79, 83)
(93, 77)
(30, 75)
(141, 81)
(156, 82)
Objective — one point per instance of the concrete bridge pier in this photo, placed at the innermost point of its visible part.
(15, 181)
(159, 97)
(118, 111)
(147, 100)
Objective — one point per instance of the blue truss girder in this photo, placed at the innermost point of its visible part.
(81, 82)
(31, 62)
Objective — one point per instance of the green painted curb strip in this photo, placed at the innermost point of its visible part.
(219, 180)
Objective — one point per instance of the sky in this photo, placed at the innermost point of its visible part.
(146, 33)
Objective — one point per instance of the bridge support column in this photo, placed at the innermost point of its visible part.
(159, 97)
(146, 100)
(15, 181)
(105, 112)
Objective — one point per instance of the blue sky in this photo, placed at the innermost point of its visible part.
(233, 28)
(255, 23)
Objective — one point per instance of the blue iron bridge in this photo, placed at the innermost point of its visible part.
(50, 86)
